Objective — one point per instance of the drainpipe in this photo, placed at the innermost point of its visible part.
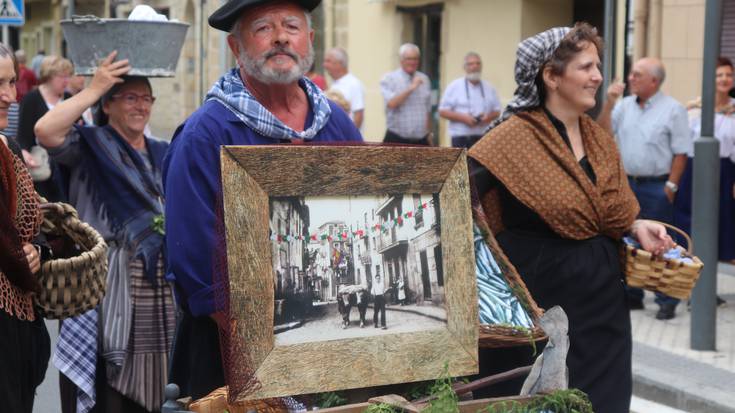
(705, 199)
(640, 28)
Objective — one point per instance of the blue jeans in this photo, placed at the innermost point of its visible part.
(654, 205)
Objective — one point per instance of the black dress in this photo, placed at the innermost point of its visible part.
(585, 278)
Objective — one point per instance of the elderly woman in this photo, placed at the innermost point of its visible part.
(55, 74)
(24, 341)
(551, 183)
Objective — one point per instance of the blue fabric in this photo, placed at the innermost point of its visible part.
(76, 356)
(654, 205)
(230, 91)
(726, 224)
(128, 194)
(192, 184)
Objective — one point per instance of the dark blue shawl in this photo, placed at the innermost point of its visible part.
(128, 194)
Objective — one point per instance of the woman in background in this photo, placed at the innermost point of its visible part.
(55, 74)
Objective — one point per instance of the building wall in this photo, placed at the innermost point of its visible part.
(372, 31)
(682, 45)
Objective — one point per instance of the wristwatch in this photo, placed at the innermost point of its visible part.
(672, 186)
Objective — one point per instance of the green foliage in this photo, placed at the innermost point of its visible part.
(526, 331)
(382, 408)
(446, 400)
(419, 390)
(159, 224)
(330, 399)
(560, 401)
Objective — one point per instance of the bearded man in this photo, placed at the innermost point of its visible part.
(469, 104)
(266, 100)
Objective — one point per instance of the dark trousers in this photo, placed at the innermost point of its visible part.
(654, 205)
(196, 363)
(465, 141)
(379, 305)
(25, 349)
(391, 137)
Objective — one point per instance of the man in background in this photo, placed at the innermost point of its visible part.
(336, 65)
(470, 104)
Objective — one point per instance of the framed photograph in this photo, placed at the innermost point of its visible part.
(350, 266)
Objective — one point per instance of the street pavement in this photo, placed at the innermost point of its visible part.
(399, 319)
(666, 370)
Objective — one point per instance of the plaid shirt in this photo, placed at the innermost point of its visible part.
(76, 356)
(409, 119)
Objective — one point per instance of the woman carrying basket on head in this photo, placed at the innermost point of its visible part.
(24, 341)
(115, 185)
(555, 195)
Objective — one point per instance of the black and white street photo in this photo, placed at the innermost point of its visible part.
(349, 267)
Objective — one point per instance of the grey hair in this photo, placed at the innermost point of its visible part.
(472, 54)
(7, 52)
(408, 47)
(340, 55)
(658, 71)
(20, 55)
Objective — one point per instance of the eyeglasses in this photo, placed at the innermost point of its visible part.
(132, 99)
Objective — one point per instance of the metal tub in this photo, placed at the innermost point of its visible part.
(152, 47)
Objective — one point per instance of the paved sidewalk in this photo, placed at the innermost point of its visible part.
(668, 371)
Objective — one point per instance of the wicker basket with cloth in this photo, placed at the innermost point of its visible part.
(671, 274)
(74, 280)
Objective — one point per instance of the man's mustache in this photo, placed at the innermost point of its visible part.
(281, 50)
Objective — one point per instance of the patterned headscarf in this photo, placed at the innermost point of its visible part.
(531, 55)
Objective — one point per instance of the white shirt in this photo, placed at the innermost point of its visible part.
(475, 99)
(724, 131)
(351, 88)
(378, 287)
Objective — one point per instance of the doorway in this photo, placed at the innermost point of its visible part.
(425, 280)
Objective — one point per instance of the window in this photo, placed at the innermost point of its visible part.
(418, 213)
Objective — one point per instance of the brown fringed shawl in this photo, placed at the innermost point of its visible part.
(528, 156)
(20, 220)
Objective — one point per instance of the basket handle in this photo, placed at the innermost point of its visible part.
(690, 244)
(77, 19)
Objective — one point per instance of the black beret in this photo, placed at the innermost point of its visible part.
(224, 17)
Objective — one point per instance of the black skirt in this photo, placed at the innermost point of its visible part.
(586, 280)
(25, 348)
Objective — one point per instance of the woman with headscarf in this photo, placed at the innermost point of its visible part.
(24, 341)
(554, 193)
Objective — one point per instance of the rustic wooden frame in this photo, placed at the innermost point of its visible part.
(251, 174)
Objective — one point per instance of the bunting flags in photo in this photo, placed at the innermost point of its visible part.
(358, 234)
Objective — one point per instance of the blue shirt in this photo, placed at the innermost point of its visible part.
(191, 176)
(649, 137)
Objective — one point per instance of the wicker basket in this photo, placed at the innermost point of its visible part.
(74, 281)
(669, 276)
(216, 402)
(499, 336)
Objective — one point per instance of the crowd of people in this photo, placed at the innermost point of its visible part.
(559, 189)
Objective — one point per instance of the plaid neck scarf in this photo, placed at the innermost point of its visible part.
(531, 55)
(232, 93)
